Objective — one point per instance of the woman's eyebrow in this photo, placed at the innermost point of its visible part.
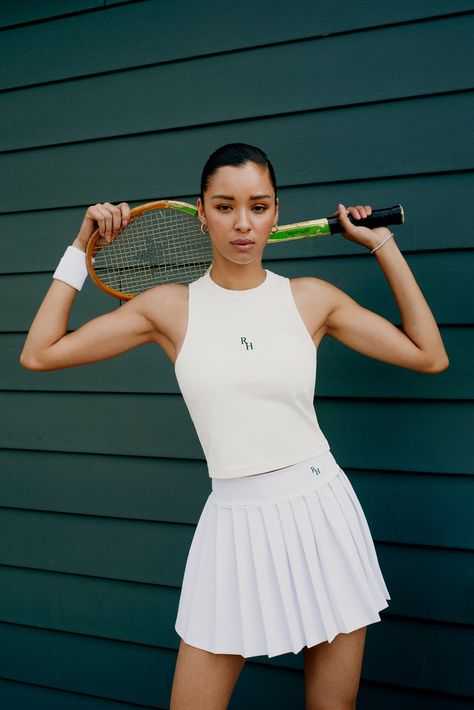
(228, 197)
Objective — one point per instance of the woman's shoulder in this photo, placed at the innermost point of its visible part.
(311, 286)
(170, 292)
(165, 302)
(313, 291)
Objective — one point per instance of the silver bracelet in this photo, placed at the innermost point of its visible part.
(72, 269)
(381, 245)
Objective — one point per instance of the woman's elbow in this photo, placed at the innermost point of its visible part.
(29, 362)
(439, 366)
(32, 362)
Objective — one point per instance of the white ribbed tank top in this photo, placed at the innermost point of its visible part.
(247, 373)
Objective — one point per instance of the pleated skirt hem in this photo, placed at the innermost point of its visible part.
(203, 643)
(280, 561)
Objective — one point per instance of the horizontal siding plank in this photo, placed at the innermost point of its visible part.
(17, 694)
(138, 488)
(433, 59)
(420, 436)
(43, 234)
(136, 551)
(103, 602)
(342, 372)
(189, 33)
(424, 656)
(434, 509)
(27, 291)
(107, 608)
(417, 588)
(390, 697)
(30, 11)
(409, 508)
(446, 287)
(401, 142)
(417, 655)
(112, 670)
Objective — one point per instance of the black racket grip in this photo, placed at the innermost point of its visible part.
(378, 218)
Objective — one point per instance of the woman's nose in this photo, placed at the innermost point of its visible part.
(242, 221)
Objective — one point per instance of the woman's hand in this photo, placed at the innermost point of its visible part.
(369, 238)
(110, 219)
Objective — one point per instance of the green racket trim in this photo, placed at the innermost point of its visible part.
(288, 232)
(182, 207)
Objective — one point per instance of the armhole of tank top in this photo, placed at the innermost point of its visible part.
(297, 319)
(186, 335)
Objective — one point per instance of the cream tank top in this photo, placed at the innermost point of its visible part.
(247, 373)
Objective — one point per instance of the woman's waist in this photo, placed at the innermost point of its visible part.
(278, 484)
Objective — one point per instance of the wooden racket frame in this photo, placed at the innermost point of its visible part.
(134, 213)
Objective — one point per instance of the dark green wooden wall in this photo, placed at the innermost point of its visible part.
(117, 101)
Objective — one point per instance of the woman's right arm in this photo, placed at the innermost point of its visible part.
(49, 346)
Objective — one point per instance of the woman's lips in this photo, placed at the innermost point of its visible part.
(242, 244)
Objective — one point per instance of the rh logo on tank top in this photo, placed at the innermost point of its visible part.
(315, 470)
(248, 346)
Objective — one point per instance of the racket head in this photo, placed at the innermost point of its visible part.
(162, 243)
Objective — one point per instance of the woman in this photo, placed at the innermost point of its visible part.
(282, 558)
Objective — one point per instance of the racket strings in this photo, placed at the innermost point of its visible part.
(158, 246)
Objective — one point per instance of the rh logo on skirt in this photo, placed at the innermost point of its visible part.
(315, 470)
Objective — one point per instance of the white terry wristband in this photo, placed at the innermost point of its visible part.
(72, 269)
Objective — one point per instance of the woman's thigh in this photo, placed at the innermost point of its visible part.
(204, 680)
(332, 671)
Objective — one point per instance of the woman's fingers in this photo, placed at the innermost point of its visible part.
(111, 218)
(102, 217)
(360, 211)
(107, 218)
(125, 213)
(364, 210)
(344, 211)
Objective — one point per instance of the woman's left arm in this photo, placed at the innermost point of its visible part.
(419, 345)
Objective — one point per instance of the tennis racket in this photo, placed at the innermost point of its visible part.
(163, 243)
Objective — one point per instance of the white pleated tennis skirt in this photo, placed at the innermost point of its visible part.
(280, 560)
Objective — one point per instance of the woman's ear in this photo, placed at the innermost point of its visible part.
(200, 209)
(277, 209)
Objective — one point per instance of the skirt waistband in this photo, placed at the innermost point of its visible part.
(272, 486)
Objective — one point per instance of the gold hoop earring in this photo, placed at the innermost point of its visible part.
(274, 229)
(204, 229)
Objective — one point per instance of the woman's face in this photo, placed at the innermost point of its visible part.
(239, 206)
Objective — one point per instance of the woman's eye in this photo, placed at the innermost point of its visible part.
(259, 208)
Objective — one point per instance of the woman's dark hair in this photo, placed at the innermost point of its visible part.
(235, 154)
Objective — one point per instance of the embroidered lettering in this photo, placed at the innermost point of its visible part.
(315, 470)
(248, 346)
